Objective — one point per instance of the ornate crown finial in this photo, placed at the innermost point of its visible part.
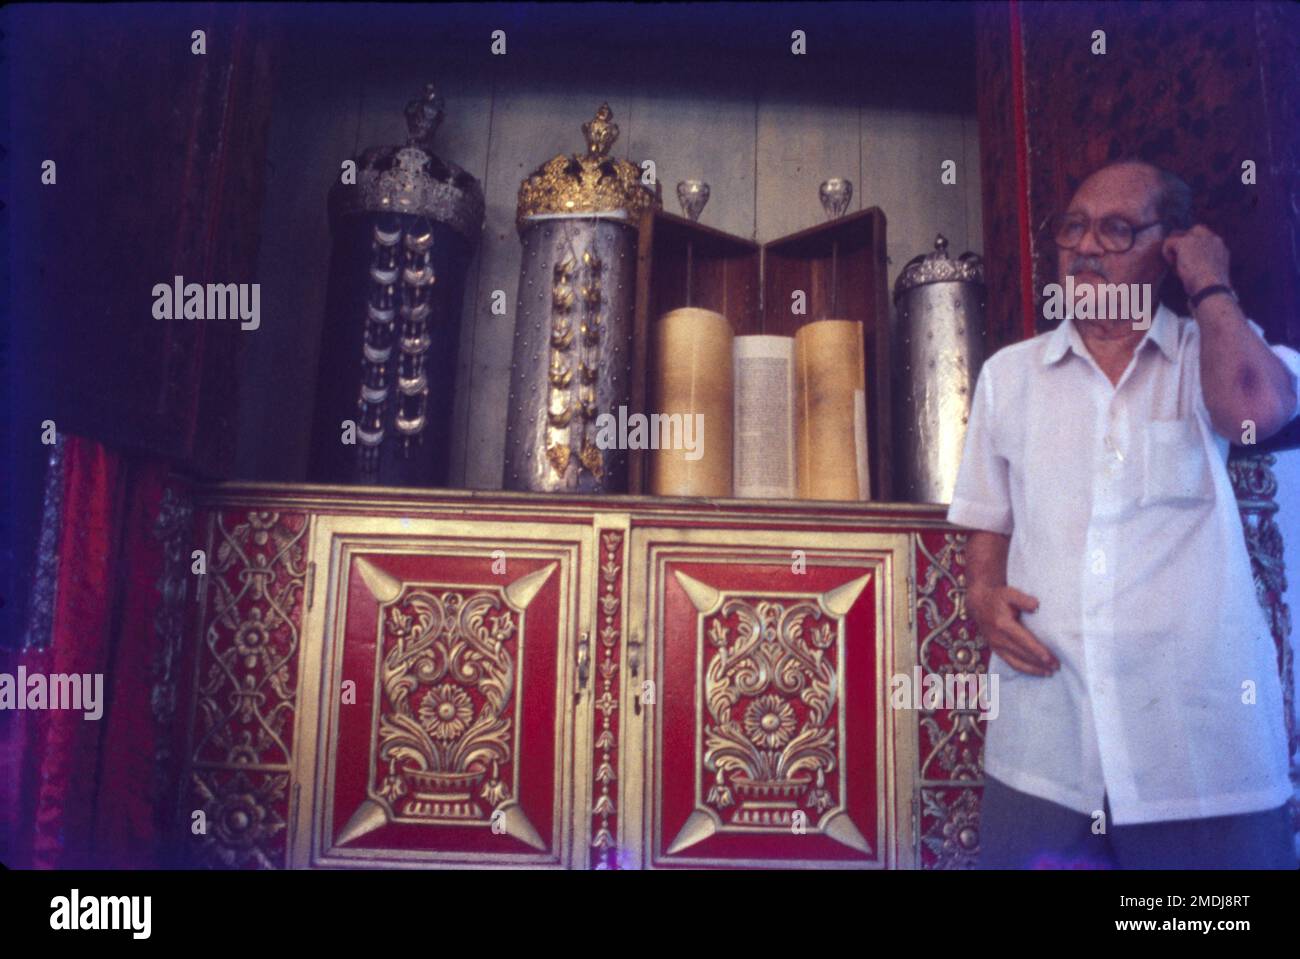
(424, 116)
(938, 267)
(600, 132)
(409, 178)
(590, 182)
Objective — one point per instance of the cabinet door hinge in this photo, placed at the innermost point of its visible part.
(311, 584)
(911, 599)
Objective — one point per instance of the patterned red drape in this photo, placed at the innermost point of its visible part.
(79, 791)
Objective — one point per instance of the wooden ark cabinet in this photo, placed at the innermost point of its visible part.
(456, 679)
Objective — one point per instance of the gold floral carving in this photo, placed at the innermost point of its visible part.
(445, 743)
(768, 719)
(604, 809)
(242, 813)
(444, 748)
(949, 643)
(950, 765)
(954, 837)
(245, 697)
(768, 760)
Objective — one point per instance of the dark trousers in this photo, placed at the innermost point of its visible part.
(1019, 831)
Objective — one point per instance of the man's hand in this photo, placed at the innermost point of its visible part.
(1244, 383)
(1199, 255)
(997, 613)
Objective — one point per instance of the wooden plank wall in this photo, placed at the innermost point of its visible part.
(762, 139)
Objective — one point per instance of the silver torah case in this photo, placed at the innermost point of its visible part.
(402, 238)
(578, 218)
(544, 420)
(939, 348)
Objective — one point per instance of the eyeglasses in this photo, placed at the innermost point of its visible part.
(1114, 233)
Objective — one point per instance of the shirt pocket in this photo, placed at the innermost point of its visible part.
(1175, 468)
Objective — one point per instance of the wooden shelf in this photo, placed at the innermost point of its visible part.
(852, 249)
(724, 277)
(727, 273)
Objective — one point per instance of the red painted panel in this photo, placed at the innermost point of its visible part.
(530, 642)
(681, 752)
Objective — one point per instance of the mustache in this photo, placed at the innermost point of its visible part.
(1090, 264)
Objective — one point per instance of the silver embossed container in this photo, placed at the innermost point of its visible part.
(403, 235)
(570, 378)
(939, 348)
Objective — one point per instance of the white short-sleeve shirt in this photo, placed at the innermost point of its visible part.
(1124, 525)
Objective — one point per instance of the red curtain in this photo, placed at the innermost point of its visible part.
(80, 792)
(73, 791)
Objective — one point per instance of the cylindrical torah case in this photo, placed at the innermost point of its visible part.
(939, 350)
(570, 379)
(403, 236)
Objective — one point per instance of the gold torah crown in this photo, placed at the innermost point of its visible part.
(590, 183)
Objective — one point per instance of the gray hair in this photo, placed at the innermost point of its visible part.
(1176, 211)
(1174, 204)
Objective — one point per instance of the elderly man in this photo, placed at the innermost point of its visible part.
(1141, 720)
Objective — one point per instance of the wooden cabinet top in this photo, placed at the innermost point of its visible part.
(640, 509)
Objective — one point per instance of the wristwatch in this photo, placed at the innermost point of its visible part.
(1195, 300)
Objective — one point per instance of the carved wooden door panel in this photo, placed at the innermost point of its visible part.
(441, 659)
(763, 717)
